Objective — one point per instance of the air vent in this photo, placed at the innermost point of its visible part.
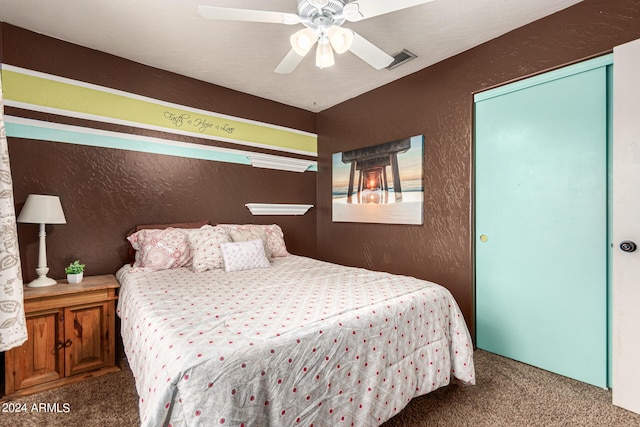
(400, 58)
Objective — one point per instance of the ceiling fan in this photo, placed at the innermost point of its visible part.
(323, 20)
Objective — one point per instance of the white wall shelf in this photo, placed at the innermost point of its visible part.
(259, 160)
(277, 209)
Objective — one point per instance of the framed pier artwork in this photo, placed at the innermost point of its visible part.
(380, 184)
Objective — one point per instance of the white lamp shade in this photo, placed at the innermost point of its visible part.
(324, 53)
(340, 39)
(42, 209)
(302, 41)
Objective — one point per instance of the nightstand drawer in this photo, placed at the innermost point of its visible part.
(65, 300)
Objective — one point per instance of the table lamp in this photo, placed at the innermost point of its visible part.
(42, 209)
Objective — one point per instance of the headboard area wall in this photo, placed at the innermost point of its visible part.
(125, 144)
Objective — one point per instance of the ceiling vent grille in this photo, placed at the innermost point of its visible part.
(400, 58)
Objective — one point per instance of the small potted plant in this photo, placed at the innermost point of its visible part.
(74, 272)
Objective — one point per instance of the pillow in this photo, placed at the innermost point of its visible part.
(205, 247)
(242, 233)
(195, 224)
(160, 249)
(275, 236)
(275, 240)
(244, 255)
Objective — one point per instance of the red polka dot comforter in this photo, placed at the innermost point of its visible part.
(302, 342)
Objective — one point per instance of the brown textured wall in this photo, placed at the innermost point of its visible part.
(105, 192)
(109, 190)
(438, 102)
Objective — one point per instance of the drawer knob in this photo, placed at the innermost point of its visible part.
(61, 344)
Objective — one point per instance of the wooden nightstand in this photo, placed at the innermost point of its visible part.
(71, 331)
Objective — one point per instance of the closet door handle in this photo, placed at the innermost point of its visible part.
(628, 246)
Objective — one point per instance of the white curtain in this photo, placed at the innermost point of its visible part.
(13, 329)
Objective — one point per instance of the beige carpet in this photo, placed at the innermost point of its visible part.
(507, 393)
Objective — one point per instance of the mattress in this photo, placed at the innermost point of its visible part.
(303, 342)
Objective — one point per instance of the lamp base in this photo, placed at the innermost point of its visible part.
(41, 282)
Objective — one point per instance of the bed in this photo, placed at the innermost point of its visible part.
(296, 342)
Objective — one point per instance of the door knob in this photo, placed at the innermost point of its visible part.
(628, 246)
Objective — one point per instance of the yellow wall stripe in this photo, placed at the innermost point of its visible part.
(42, 92)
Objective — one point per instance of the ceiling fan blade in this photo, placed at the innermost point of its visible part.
(289, 63)
(363, 9)
(369, 52)
(247, 15)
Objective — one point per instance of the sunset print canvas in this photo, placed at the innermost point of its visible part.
(381, 183)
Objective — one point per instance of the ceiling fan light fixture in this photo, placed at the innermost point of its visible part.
(323, 20)
(340, 39)
(303, 40)
(324, 53)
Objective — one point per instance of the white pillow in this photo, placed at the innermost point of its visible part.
(205, 247)
(275, 246)
(244, 255)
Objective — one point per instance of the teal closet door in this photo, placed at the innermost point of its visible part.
(541, 224)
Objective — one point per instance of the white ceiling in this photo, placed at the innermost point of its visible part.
(169, 34)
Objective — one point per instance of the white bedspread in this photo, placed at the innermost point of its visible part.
(302, 342)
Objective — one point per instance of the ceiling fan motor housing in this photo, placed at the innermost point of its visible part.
(331, 13)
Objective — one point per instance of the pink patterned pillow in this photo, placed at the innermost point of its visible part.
(205, 247)
(244, 255)
(160, 249)
(275, 240)
(275, 246)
